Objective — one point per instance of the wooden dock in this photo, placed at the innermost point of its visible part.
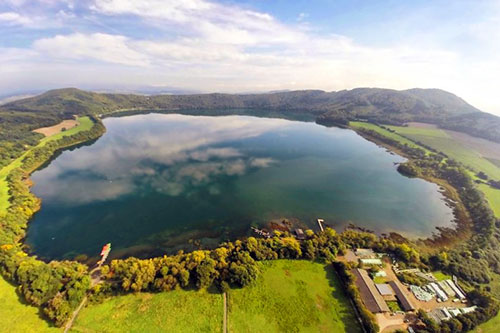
(320, 223)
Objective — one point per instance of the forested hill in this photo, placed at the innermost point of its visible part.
(369, 101)
(380, 105)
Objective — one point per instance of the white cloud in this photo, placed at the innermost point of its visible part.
(13, 18)
(210, 46)
(205, 155)
(262, 162)
(97, 46)
(211, 21)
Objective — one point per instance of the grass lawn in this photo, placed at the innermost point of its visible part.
(85, 124)
(18, 317)
(394, 306)
(440, 276)
(292, 296)
(493, 197)
(173, 311)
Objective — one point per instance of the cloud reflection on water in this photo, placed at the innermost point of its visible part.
(167, 152)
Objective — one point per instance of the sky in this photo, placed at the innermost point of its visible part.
(252, 45)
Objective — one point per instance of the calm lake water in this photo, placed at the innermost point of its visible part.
(156, 183)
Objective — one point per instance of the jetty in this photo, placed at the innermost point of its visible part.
(320, 223)
(261, 232)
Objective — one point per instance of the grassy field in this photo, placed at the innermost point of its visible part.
(394, 136)
(289, 296)
(493, 197)
(85, 124)
(292, 296)
(174, 311)
(17, 317)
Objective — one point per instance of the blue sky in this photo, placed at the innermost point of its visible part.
(252, 45)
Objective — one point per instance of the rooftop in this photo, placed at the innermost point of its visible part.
(371, 261)
(405, 301)
(365, 253)
(369, 294)
(384, 289)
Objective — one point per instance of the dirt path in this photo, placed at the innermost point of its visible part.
(68, 325)
(224, 321)
(388, 324)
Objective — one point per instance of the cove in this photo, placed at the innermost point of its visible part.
(158, 183)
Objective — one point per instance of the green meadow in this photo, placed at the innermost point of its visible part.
(289, 296)
(492, 196)
(18, 317)
(384, 132)
(173, 311)
(292, 296)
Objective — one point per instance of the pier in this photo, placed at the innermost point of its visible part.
(320, 223)
(261, 232)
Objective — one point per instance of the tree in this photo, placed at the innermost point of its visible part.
(206, 273)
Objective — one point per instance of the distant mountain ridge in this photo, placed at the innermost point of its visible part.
(373, 104)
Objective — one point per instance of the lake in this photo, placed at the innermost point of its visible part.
(158, 183)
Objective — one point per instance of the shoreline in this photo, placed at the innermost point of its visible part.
(462, 223)
(28, 182)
